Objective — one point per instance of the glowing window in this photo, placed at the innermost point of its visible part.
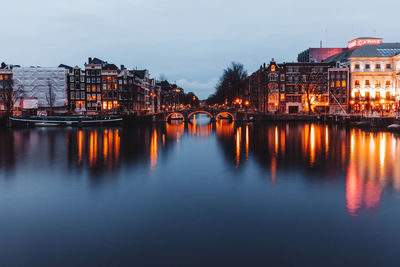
(344, 83)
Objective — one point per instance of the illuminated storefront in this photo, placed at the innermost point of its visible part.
(374, 79)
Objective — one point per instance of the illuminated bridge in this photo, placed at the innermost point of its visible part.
(188, 114)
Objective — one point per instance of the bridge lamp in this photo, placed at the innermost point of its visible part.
(247, 103)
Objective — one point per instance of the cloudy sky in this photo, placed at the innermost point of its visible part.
(187, 41)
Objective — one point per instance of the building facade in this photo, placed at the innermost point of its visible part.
(339, 90)
(375, 78)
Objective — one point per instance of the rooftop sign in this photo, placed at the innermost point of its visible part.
(364, 41)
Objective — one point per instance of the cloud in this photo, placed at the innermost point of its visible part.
(201, 89)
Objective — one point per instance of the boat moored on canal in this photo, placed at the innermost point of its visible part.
(65, 121)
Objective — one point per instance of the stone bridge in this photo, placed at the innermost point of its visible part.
(187, 114)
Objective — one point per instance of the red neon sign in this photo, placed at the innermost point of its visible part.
(360, 42)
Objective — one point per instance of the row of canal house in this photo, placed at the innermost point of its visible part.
(363, 77)
(293, 87)
(98, 87)
(101, 86)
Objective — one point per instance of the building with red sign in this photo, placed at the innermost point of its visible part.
(361, 41)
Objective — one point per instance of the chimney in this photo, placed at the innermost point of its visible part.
(90, 60)
(122, 67)
(3, 65)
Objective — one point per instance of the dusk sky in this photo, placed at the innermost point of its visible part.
(189, 42)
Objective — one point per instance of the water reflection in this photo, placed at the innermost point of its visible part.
(365, 162)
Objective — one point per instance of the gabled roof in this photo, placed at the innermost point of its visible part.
(140, 73)
(382, 50)
(98, 61)
(66, 67)
(110, 67)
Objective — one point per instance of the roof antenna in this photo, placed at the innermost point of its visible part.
(320, 44)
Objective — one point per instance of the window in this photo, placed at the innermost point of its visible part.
(72, 95)
(104, 86)
(273, 77)
(367, 95)
(290, 69)
(388, 66)
(82, 79)
(120, 82)
(332, 84)
(378, 66)
(357, 83)
(82, 95)
(88, 87)
(94, 88)
(337, 83)
(88, 80)
(98, 80)
(378, 95)
(282, 77)
(377, 83)
(71, 78)
(387, 95)
(367, 66)
(344, 83)
(388, 83)
(357, 66)
(367, 83)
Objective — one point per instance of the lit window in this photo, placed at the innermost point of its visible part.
(367, 83)
(344, 83)
(337, 83)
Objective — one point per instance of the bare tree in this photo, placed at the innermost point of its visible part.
(314, 84)
(50, 95)
(9, 97)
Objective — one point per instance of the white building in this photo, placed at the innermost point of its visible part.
(375, 71)
(46, 86)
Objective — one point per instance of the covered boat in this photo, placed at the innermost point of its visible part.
(64, 121)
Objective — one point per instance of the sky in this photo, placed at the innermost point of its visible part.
(186, 41)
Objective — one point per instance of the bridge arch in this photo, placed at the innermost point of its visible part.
(224, 114)
(200, 111)
(175, 115)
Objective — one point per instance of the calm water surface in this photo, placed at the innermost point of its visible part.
(199, 193)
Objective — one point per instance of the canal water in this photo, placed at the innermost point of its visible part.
(297, 194)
